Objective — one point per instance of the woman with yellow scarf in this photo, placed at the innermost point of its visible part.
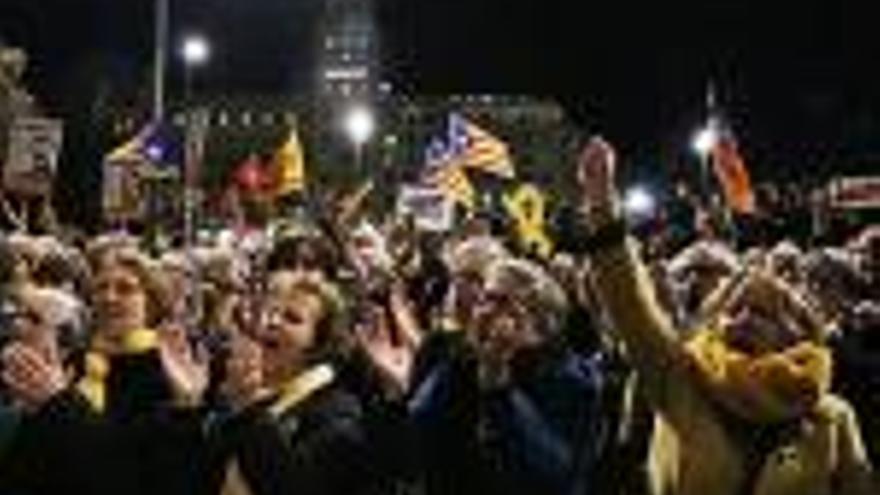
(124, 422)
(744, 406)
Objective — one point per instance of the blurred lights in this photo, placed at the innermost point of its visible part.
(639, 202)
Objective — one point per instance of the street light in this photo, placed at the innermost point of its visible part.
(359, 126)
(705, 140)
(195, 52)
(703, 143)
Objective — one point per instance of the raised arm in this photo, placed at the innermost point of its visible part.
(624, 286)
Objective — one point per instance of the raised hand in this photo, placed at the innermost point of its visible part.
(404, 316)
(244, 383)
(393, 358)
(186, 369)
(596, 175)
(34, 374)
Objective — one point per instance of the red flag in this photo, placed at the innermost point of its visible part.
(731, 171)
(251, 176)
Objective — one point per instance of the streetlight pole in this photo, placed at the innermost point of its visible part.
(195, 52)
(160, 59)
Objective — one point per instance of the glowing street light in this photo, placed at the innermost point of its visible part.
(359, 124)
(195, 50)
(705, 140)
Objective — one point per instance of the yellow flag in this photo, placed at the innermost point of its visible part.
(290, 167)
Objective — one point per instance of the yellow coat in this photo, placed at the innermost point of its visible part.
(692, 453)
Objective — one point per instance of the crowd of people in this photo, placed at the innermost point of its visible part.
(340, 354)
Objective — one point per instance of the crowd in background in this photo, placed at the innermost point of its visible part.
(342, 354)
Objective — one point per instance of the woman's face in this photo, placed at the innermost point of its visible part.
(120, 300)
(503, 323)
(757, 324)
(292, 315)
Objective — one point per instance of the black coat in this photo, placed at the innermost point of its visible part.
(141, 443)
(318, 447)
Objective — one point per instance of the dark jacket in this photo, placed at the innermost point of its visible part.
(140, 443)
(539, 435)
(318, 447)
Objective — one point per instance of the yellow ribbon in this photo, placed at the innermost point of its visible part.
(527, 206)
(93, 385)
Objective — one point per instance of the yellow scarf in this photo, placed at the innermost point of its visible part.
(767, 388)
(93, 384)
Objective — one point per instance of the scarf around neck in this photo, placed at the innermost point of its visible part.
(768, 388)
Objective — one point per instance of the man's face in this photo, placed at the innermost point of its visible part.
(292, 315)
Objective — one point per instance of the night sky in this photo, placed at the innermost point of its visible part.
(798, 79)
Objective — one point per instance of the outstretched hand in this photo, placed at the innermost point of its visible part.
(391, 341)
(596, 175)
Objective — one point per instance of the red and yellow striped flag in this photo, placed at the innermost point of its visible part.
(731, 171)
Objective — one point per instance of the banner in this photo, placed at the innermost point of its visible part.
(32, 157)
(124, 198)
(855, 193)
(431, 208)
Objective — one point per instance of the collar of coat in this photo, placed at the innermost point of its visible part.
(301, 387)
(93, 384)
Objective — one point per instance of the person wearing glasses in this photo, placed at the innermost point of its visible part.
(502, 406)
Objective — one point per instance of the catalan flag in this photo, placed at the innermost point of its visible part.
(288, 166)
(135, 149)
(444, 171)
(478, 149)
(732, 174)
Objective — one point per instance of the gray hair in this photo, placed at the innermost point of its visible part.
(533, 285)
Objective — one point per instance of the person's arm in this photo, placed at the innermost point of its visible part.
(853, 473)
(626, 291)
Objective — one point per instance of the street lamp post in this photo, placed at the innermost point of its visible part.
(159, 59)
(195, 52)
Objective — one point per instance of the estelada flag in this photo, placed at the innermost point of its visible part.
(478, 149)
(288, 167)
(732, 174)
(443, 171)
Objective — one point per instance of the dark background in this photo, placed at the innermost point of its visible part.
(798, 80)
